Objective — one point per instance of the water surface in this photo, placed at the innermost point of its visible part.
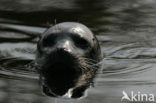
(126, 32)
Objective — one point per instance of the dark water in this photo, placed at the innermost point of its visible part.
(126, 30)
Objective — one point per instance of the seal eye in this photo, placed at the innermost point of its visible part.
(49, 41)
(81, 42)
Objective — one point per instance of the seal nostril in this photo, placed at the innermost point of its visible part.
(60, 50)
(68, 50)
(64, 46)
(63, 50)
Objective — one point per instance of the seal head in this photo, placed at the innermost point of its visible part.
(66, 54)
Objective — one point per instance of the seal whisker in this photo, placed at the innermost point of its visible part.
(87, 59)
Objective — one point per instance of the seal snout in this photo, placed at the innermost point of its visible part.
(64, 45)
(60, 74)
(61, 56)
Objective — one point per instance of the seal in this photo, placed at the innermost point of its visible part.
(66, 54)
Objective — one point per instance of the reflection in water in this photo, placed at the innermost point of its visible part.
(125, 29)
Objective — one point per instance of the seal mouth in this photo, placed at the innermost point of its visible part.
(59, 76)
(65, 74)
